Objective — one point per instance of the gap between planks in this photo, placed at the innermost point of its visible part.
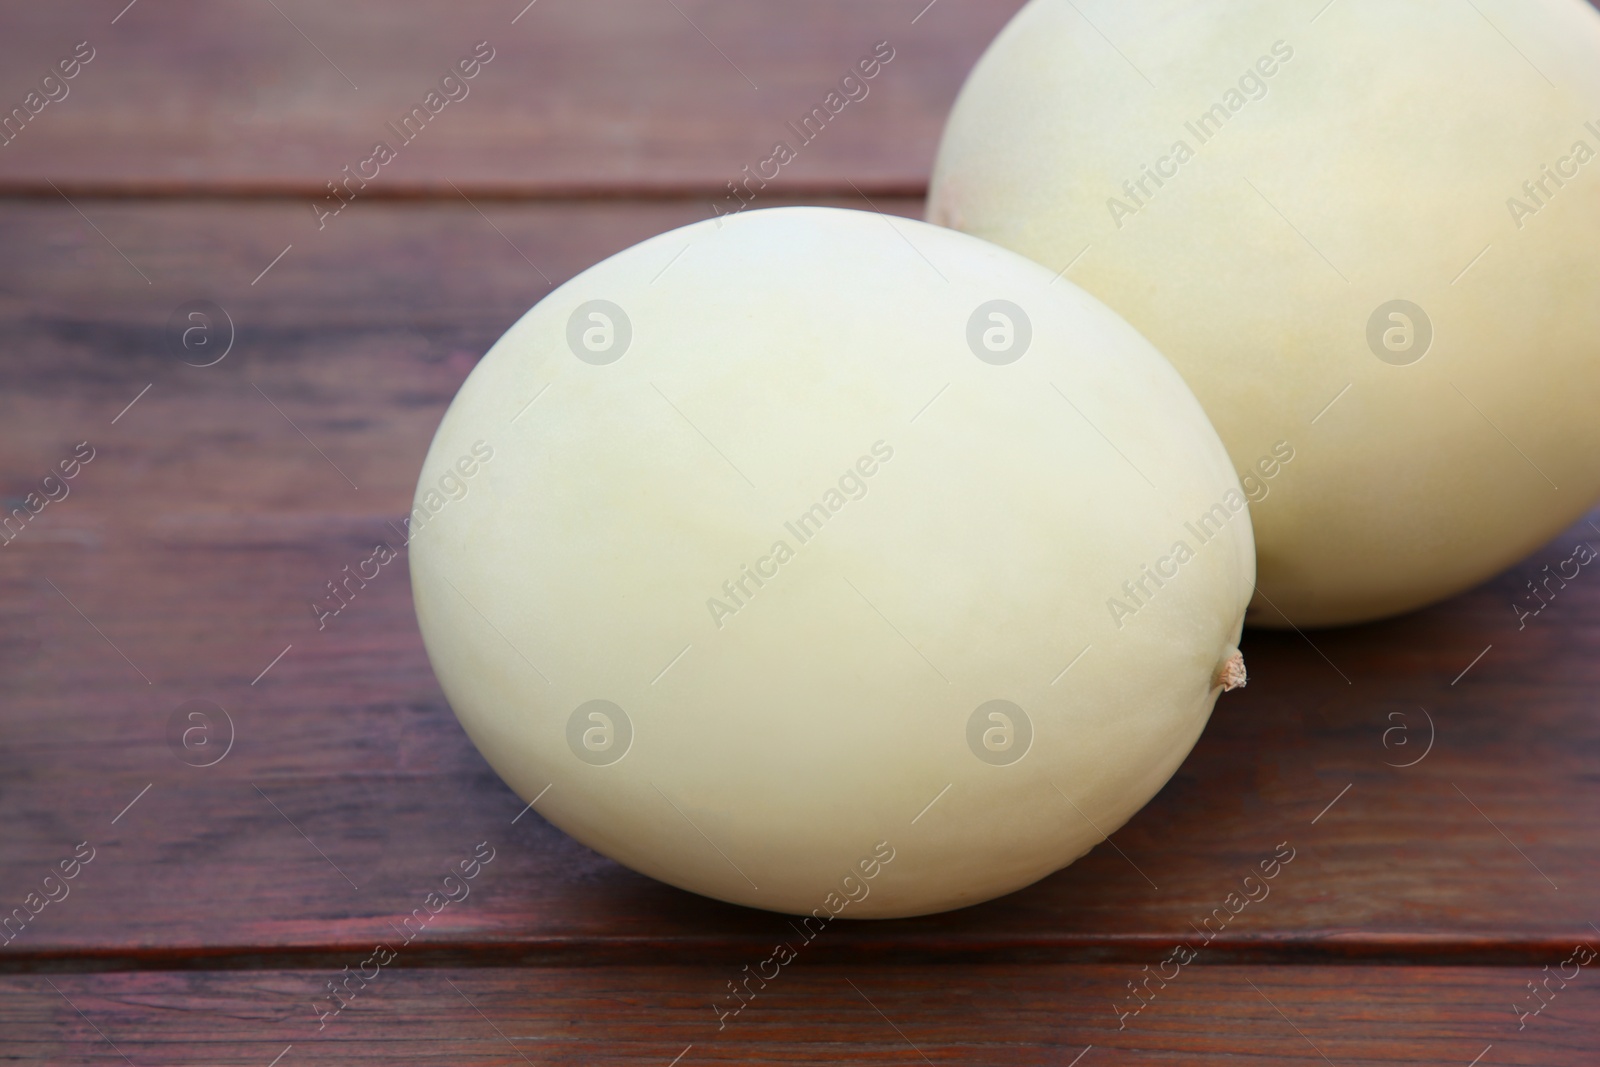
(1326, 948)
(534, 192)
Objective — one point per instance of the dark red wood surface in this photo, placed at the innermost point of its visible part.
(180, 566)
(613, 96)
(995, 1016)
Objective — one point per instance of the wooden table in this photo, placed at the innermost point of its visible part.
(1434, 776)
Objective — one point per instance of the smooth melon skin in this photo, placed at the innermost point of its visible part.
(996, 509)
(1377, 153)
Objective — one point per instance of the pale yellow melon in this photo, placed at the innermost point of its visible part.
(1367, 234)
(826, 563)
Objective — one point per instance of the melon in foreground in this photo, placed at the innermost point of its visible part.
(830, 564)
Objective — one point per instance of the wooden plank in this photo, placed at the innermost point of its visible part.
(191, 545)
(636, 96)
(807, 1014)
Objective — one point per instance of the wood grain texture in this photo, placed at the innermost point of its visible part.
(217, 507)
(867, 1014)
(637, 96)
(1434, 774)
